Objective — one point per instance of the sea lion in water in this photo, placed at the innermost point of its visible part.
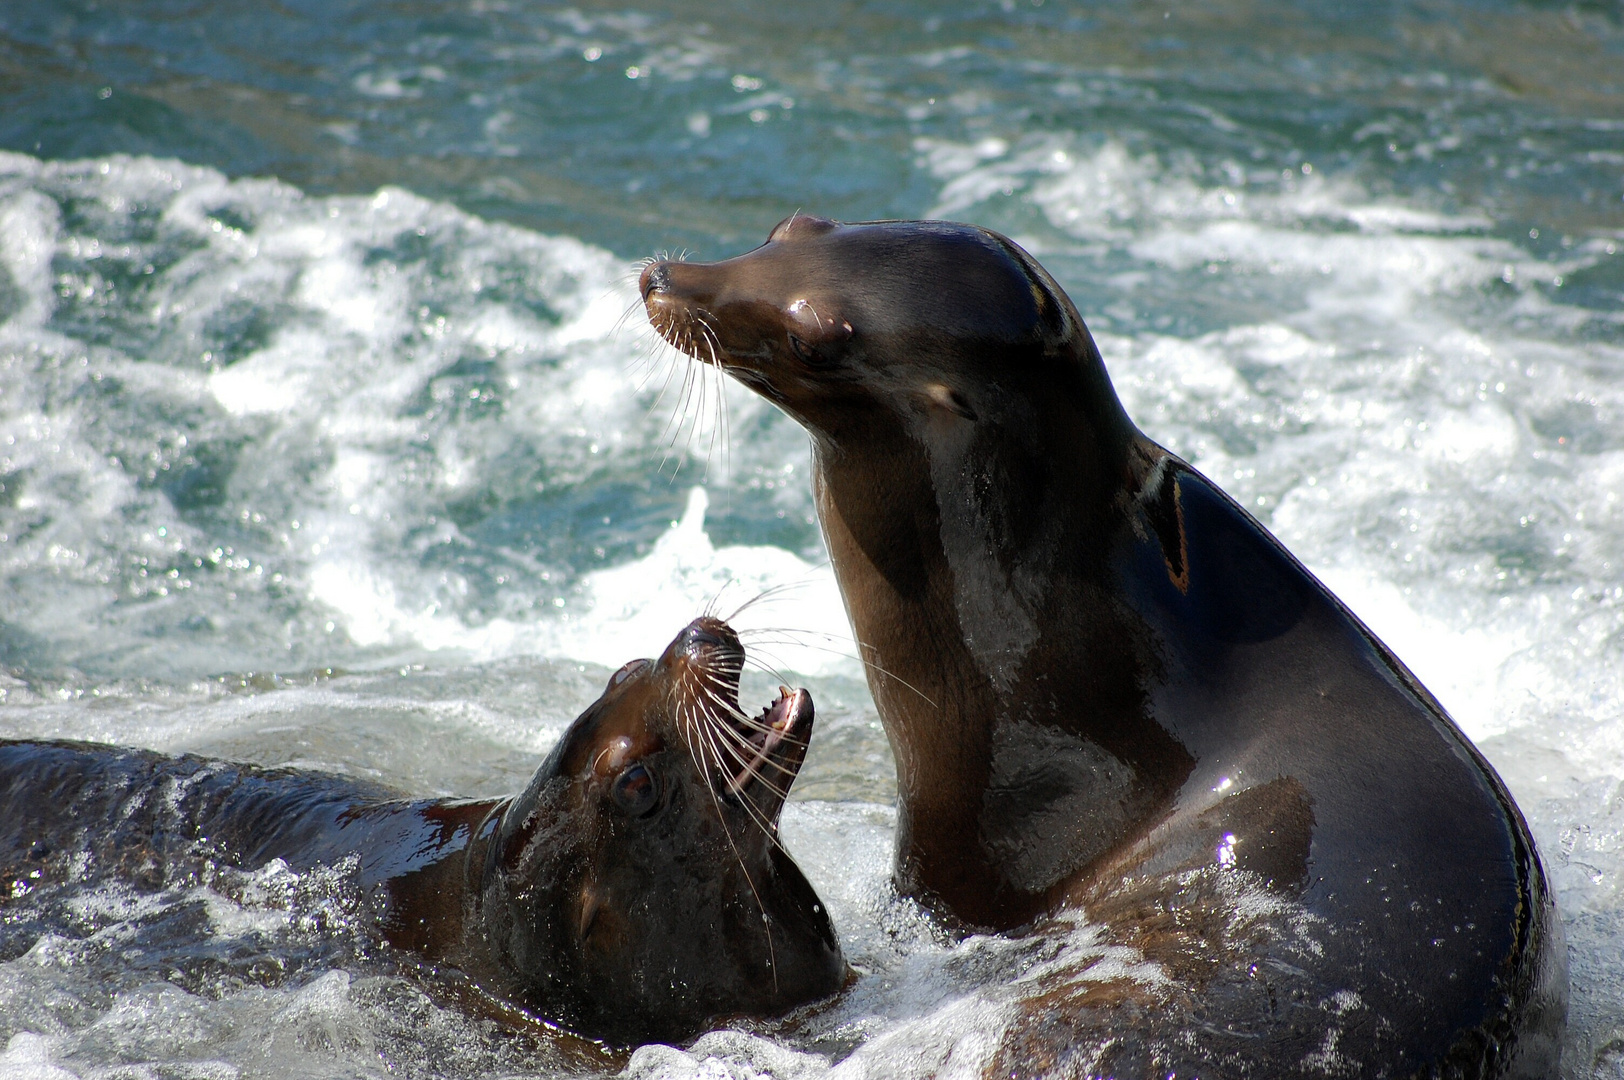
(1106, 686)
(636, 890)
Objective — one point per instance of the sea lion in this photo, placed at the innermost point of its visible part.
(1108, 687)
(636, 890)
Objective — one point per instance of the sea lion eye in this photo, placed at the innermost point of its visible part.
(636, 791)
(805, 352)
(816, 337)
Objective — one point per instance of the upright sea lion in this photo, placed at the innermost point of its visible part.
(1106, 686)
(636, 890)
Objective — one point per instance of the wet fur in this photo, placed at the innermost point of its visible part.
(1140, 706)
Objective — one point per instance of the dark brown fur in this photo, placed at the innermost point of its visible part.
(1108, 687)
(636, 890)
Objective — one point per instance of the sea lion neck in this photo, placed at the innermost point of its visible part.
(952, 538)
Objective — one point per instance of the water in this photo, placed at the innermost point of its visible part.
(323, 440)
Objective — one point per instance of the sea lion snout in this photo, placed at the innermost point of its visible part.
(750, 760)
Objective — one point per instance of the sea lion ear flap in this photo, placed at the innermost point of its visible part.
(1054, 311)
(945, 397)
(1052, 315)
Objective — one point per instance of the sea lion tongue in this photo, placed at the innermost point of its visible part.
(780, 737)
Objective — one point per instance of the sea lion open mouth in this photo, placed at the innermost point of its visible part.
(749, 759)
(780, 738)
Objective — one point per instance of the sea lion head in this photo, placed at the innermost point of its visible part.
(836, 322)
(637, 889)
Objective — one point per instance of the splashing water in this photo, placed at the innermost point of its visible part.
(353, 470)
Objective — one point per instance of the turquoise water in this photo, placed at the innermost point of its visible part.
(330, 432)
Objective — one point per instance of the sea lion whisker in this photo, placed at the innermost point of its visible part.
(738, 791)
(749, 772)
(714, 735)
(768, 664)
(631, 277)
(619, 324)
(738, 744)
(709, 736)
(689, 730)
(704, 767)
(748, 756)
(642, 364)
(752, 724)
(712, 678)
(708, 328)
(713, 384)
(766, 923)
(678, 422)
(767, 668)
(721, 428)
(711, 700)
(688, 719)
(703, 687)
(707, 334)
(737, 719)
(657, 352)
(770, 592)
(867, 663)
(724, 654)
(716, 598)
(674, 362)
(693, 404)
(756, 727)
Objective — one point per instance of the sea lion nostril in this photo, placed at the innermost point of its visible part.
(706, 630)
(656, 277)
(698, 635)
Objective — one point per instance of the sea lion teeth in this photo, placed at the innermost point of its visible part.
(779, 740)
(1107, 687)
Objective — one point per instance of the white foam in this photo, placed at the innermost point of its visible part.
(686, 573)
(1391, 410)
(28, 1057)
(622, 612)
(370, 320)
(28, 228)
